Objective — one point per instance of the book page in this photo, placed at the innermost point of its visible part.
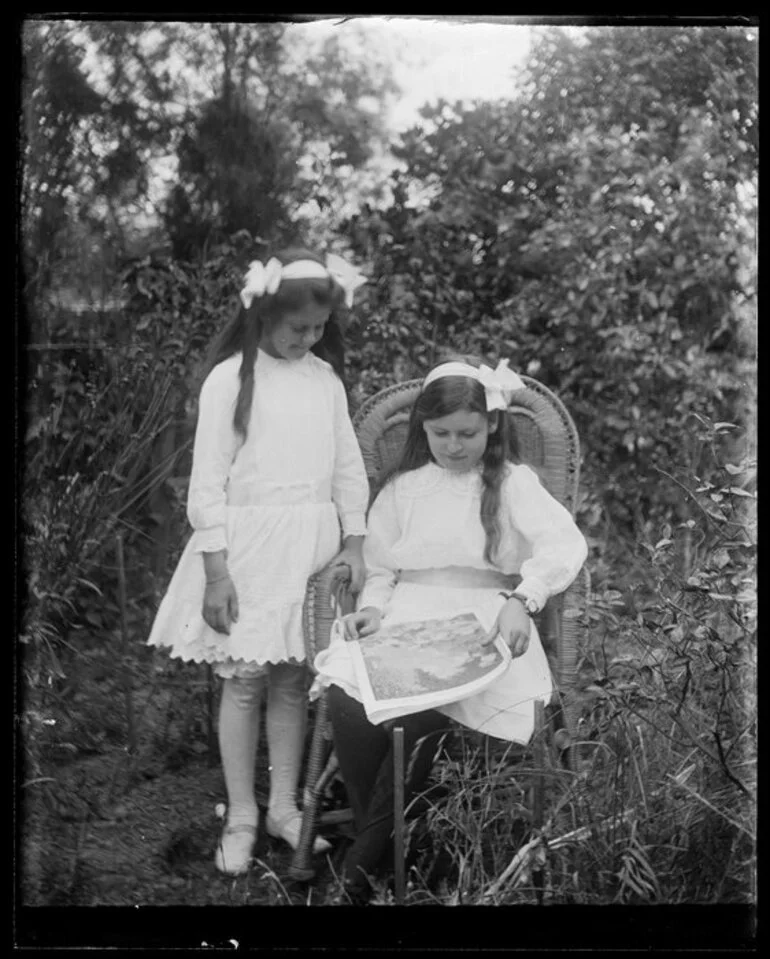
(410, 666)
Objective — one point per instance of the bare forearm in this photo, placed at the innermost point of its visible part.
(215, 565)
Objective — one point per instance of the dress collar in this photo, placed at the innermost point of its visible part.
(268, 360)
(454, 477)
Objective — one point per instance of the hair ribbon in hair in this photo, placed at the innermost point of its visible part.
(266, 278)
(499, 384)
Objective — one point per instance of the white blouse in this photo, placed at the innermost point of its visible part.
(430, 518)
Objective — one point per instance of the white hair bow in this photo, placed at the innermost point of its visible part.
(260, 279)
(348, 277)
(499, 384)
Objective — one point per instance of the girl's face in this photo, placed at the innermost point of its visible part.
(293, 335)
(457, 442)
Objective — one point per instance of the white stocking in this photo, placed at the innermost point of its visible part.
(286, 719)
(238, 738)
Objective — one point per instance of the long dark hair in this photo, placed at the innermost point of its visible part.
(448, 395)
(244, 332)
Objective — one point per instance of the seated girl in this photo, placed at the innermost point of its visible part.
(460, 521)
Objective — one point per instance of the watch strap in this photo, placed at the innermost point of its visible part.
(530, 605)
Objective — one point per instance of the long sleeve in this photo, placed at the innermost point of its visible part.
(214, 450)
(350, 486)
(381, 569)
(558, 548)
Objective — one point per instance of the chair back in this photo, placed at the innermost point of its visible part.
(548, 439)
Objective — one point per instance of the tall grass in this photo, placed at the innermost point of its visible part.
(646, 816)
(90, 466)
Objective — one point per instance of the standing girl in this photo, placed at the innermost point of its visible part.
(277, 477)
(459, 523)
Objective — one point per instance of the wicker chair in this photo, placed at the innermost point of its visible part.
(549, 442)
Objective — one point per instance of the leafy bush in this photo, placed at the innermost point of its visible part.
(601, 235)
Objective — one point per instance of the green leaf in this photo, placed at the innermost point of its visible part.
(720, 558)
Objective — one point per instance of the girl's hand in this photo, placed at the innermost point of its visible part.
(513, 624)
(363, 623)
(220, 605)
(350, 555)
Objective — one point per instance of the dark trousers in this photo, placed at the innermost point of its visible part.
(365, 754)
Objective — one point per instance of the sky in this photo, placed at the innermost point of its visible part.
(440, 56)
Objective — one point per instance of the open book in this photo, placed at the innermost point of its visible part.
(407, 667)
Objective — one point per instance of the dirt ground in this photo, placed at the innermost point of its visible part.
(100, 825)
(154, 846)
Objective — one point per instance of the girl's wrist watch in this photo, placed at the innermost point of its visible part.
(530, 605)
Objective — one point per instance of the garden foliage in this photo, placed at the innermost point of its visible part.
(598, 230)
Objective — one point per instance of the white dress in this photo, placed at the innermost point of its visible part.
(429, 519)
(276, 502)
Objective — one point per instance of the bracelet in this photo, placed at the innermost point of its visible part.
(530, 607)
(219, 579)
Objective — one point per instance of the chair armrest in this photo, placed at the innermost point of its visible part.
(566, 622)
(327, 596)
(574, 623)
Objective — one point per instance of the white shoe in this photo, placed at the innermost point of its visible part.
(288, 828)
(235, 849)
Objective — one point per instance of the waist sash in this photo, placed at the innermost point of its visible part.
(467, 577)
